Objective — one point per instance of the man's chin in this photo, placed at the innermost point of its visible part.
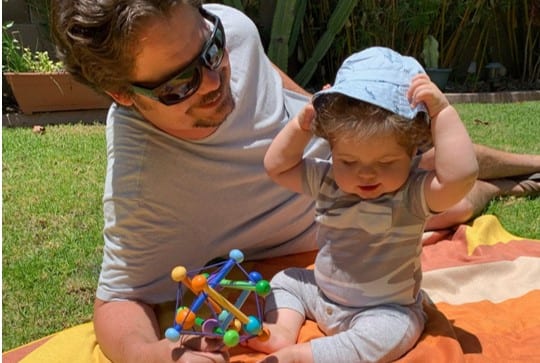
(221, 113)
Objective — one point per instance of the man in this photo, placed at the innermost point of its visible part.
(197, 103)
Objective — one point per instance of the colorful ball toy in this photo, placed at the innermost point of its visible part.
(226, 318)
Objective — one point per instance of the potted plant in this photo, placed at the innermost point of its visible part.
(40, 84)
(430, 54)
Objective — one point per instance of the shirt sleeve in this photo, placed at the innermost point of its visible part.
(414, 193)
(314, 174)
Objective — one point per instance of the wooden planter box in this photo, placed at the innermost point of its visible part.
(41, 92)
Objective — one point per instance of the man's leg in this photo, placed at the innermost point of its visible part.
(493, 163)
(496, 164)
(501, 174)
(478, 198)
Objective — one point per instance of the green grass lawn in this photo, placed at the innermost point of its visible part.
(52, 187)
(511, 127)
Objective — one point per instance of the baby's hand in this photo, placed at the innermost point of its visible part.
(423, 90)
(306, 116)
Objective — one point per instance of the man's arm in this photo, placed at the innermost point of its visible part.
(128, 331)
(493, 163)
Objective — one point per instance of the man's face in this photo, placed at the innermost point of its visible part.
(166, 47)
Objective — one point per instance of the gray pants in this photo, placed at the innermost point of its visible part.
(374, 334)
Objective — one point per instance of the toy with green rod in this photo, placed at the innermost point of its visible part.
(227, 319)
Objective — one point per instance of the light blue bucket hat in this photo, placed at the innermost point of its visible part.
(379, 76)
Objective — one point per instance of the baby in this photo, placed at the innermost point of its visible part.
(372, 205)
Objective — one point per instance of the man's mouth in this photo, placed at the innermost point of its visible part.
(212, 100)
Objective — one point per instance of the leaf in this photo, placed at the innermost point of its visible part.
(337, 20)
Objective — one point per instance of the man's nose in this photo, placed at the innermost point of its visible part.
(211, 80)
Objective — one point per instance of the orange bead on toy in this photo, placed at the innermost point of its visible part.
(198, 283)
(185, 317)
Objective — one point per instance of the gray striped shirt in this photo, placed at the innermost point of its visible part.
(369, 250)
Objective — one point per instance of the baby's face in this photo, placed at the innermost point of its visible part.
(370, 167)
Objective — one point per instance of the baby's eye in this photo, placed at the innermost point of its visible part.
(347, 162)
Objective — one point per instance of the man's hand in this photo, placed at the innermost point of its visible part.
(203, 344)
(185, 354)
(128, 331)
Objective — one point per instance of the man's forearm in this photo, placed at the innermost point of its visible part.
(128, 331)
(124, 330)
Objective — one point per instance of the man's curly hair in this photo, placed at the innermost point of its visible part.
(97, 39)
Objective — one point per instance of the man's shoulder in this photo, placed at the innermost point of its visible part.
(227, 13)
(126, 127)
(118, 116)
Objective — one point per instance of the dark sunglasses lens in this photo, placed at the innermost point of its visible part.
(214, 53)
(180, 88)
(213, 56)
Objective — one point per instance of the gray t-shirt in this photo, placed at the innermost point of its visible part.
(172, 202)
(369, 250)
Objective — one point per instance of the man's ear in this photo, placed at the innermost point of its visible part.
(121, 98)
(415, 152)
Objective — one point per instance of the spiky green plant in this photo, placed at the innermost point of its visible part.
(430, 53)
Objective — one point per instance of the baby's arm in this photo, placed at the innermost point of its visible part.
(298, 353)
(283, 160)
(456, 167)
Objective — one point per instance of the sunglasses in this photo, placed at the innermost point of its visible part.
(187, 82)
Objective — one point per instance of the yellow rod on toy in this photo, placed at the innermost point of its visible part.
(179, 274)
(226, 304)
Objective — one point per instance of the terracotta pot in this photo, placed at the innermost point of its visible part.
(40, 92)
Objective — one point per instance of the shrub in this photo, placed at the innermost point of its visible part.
(16, 58)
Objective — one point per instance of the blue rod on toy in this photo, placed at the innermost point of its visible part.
(234, 257)
(220, 275)
(226, 316)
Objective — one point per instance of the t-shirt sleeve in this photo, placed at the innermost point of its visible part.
(415, 195)
(314, 174)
